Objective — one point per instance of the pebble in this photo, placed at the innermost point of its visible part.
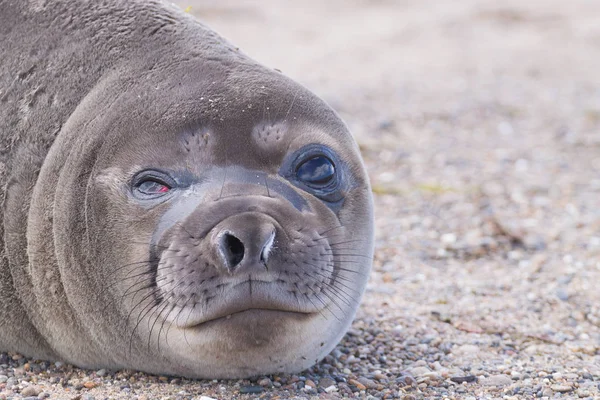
(356, 383)
(331, 389)
(31, 391)
(557, 376)
(265, 382)
(326, 382)
(462, 379)
(369, 384)
(251, 389)
(419, 371)
(496, 380)
(561, 388)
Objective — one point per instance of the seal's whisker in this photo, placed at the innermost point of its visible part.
(291, 105)
(360, 263)
(347, 241)
(308, 298)
(324, 276)
(151, 304)
(174, 319)
(336, 290)
(331, 284)
(327, 305)
(166, 297)
(150, 244)
(136, 263)
(352, 271)
(351, 255)
(165, 319)
(121, 280)
(180, 224)
(122, 297)
(187, 320)
(158, 311)
(331, 229)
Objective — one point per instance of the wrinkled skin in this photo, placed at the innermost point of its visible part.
(237, 267)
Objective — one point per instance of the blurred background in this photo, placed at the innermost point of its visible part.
(479, 123)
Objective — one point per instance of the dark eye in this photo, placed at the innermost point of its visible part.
(316, 171)
(152, 187)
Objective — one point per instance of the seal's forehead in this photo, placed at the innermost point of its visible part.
(253, 117)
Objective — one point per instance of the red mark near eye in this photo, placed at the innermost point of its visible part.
(163, 189)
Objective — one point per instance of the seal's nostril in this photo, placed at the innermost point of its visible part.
(233, 250)
(266, 249)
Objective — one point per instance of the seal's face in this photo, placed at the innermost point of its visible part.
(239, 245)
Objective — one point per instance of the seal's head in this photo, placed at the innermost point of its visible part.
(222, 216)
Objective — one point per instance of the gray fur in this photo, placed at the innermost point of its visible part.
(92, 91)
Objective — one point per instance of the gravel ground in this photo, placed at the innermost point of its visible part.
(479, 123)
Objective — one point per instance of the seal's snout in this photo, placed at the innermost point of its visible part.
(245, 241)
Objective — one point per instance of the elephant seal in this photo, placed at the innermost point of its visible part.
(169, 205)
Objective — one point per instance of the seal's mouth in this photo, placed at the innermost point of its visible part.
(250, 312)
(255, 297)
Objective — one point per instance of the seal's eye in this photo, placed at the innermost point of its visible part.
(150, 184)
(316, 171)
(152, 187)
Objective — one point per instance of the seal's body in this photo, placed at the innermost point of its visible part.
(169, 205)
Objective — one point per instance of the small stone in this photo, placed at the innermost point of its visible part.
(368, 383)
(561, 388)
(419, 371)
(557, 376)
(326, 382)
(310, 383)
(356, 383)
(466, 349)
(461, 379)
(251, 389)
(90, 385)
(266, 382)
(496, 380)
(101, 372)
(3, 378)
(331, 389)
(17, 357)
(31, 391)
